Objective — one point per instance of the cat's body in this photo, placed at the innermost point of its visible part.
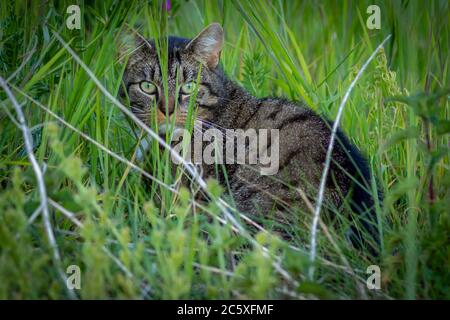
(303, 135)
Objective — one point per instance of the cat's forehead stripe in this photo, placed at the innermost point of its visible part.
(179, 64)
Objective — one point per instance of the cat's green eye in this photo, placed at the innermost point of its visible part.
(188, 88)
(147, 87)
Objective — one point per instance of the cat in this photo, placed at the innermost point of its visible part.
(221, 103)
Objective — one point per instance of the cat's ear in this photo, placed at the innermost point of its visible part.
(141, 42)
(208, 44)
(129, 44)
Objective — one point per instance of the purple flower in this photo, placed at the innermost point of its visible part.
(168, 5)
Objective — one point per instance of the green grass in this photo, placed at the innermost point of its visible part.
(137, 234)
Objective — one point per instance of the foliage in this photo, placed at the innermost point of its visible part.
(133, 238)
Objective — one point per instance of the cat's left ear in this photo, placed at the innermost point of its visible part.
(208, 44)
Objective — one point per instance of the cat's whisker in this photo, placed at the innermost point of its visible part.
(214, 125)
(227, 134)
(141, 112)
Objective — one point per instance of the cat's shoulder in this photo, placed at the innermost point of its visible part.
(276, 108)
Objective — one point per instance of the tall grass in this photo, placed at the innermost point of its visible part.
(134, 237)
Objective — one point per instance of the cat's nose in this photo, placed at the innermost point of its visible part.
(170, 105)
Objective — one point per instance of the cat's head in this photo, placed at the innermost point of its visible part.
(143, 79)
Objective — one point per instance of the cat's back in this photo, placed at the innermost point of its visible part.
(300, 129)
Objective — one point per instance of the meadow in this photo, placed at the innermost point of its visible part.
(134, 232)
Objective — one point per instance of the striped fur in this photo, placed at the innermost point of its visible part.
(304, 135)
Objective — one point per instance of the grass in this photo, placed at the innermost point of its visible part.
(134, 238)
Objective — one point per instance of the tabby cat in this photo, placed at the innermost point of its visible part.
(303, 135)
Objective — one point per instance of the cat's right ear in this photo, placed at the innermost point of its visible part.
(130, 44)
(140, 42)
(208, 44)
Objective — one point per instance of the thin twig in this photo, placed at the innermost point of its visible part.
(9, 114)
(40, 184)
(35, 214)
(328, 160)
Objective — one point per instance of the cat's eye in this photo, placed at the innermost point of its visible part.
(147, 87)
(188, 88)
